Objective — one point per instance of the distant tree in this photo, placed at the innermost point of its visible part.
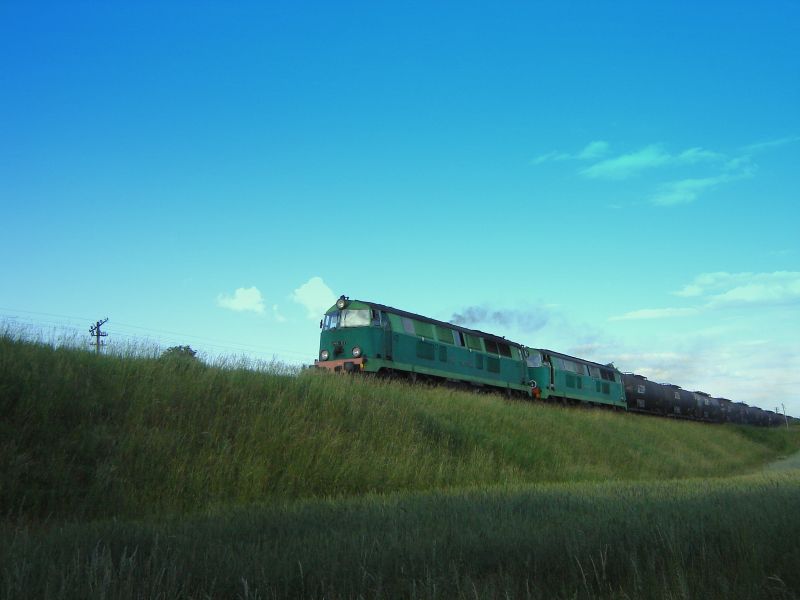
(180, 353)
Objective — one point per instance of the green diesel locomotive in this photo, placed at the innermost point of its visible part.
(374, 338)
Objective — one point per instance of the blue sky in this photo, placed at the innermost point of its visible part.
(617, 182)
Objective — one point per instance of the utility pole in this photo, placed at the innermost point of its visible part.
(784, 415)
(95, 332)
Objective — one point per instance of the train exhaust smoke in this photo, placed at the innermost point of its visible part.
(524, 320)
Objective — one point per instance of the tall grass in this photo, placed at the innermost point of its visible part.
(127, 475)
(86, 436)
(723, 539)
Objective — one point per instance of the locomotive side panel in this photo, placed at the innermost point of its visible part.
(584, 381)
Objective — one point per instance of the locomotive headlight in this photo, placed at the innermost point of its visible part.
(341, 303)
(324, 355)
(356, 352)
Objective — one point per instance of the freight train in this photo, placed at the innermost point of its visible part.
(360, 336)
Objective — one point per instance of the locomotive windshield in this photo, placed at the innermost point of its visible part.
(534, 359)
(359, 317)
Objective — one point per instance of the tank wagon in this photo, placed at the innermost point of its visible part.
(360, 336)
(737, 412)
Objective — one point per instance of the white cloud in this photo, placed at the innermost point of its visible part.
(674, 367)
(627, 165)
(277, 315)
(743, 164)
(591, 151)
(726, 289)
(711, 281)
(736, 339)
(243, 299)
(650, 157)
(768, 145)
(686, 190)
(315, 296)
(656, 313)
(550, 156)
(774, 288)
(726, 169)
(756, 371)
(696, 155)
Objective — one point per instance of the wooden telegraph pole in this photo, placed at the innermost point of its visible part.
(95, 332)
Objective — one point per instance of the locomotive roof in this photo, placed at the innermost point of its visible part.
(424, 319)
(582, 360)
(483, 334)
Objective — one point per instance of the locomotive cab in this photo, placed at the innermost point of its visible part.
(539, 373)
(352, 333)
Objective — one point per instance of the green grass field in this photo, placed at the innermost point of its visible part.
(132, 476)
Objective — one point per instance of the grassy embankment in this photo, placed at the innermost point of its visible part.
(225, 480)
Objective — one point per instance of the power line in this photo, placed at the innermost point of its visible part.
(33, 312)
(227, 345)
(202, 338)
(209, 341)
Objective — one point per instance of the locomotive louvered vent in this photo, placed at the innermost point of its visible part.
(423, 329)
(492, 364)
(444, 334)
(474, 343)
